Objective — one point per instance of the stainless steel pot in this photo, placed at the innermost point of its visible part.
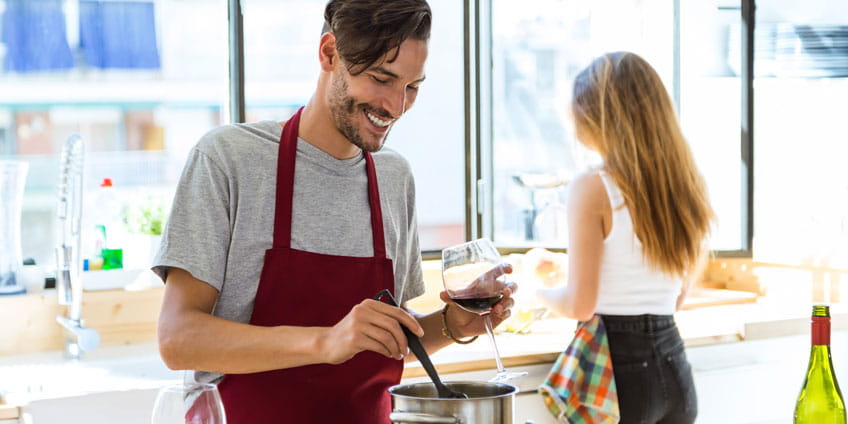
(487, 403)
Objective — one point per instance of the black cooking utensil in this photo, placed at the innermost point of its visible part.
(421, 354)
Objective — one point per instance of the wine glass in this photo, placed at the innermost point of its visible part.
(475, 281)
(189, 403)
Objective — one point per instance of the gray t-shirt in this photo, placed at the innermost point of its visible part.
(222, 220)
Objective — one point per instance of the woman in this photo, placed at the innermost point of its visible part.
(637, 229)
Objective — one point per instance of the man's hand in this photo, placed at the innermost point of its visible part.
(370, 325)
(463, 323)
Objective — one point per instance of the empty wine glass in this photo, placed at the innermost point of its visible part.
(475, 281)
(189, 403)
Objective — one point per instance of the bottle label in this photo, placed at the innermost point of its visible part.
(821, 331)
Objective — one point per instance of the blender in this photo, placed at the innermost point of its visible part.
(12, 178)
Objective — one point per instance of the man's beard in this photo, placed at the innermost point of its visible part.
(344, 111)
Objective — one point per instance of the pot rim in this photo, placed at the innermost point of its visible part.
(512, 392)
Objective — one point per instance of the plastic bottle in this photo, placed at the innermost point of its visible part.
(106, 229)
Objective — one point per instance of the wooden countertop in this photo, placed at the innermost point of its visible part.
(8, 412)
(120, 316)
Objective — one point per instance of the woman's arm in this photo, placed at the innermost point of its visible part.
(587, 206)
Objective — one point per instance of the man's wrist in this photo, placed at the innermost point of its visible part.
(318, 344)
(446, 329)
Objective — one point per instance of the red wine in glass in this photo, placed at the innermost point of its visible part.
(478, 304)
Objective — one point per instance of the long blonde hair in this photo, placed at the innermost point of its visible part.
(620, 104)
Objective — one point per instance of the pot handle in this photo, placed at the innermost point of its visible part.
(418, 417)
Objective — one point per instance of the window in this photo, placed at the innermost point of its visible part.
(799, 193)
(801, 83)
(432, 135)
(710, 108)
(536, 53)
(281, 55)
(141, 100)
(140, 80)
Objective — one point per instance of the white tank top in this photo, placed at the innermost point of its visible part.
(628, 285)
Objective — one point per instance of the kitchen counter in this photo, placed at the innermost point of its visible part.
(137, 365)
(118, 383)
(47, 375)
(698, 327)
(126, 370)
(124, 379)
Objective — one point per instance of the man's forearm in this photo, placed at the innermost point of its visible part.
(200, 341)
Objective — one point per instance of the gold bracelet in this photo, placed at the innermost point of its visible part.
(446, 332)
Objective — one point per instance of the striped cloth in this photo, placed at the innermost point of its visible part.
(580, 387)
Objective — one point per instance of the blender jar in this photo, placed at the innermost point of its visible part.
(12, 179)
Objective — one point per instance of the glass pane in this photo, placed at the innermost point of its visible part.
(281, 61)
(801, 85)
(140, 80)
(711, 110)
(536, 53)
(280, 55)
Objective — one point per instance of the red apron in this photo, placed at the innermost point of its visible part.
(310, 289)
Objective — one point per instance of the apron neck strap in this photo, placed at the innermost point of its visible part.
(376, 210)
(285, 190)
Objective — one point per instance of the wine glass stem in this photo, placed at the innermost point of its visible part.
(488, 320)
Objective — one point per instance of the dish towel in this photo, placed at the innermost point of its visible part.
(580, 387)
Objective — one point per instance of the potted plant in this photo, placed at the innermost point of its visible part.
(147, 217)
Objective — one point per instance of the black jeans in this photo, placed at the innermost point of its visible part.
(652, 375)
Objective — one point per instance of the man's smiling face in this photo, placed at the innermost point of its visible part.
(365, 106)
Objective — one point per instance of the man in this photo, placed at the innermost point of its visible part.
(282, 233)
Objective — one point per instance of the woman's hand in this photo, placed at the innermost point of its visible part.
(465, 324)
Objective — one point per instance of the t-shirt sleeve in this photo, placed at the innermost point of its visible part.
(197, 235)
(414, 285)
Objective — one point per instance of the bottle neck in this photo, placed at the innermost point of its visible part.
(820, 368)
(820, 331)
(821, 353)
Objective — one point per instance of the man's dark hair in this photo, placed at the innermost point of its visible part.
(366, 30)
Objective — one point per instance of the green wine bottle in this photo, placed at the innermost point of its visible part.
(820, 401)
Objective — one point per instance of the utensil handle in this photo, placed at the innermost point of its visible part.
(418, 349)
(417, 417)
